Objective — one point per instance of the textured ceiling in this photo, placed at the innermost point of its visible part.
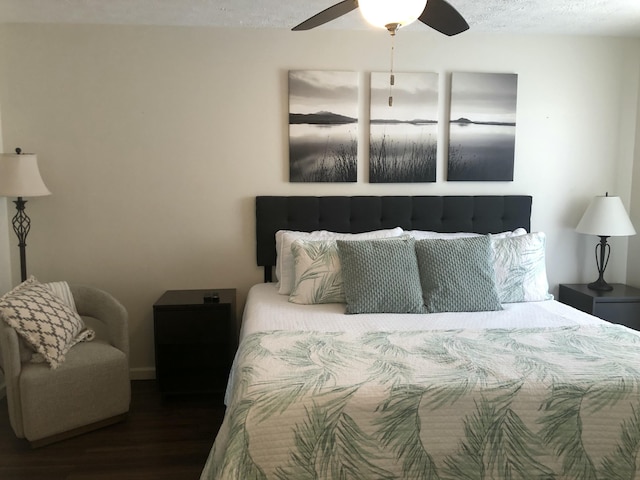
(573, 17)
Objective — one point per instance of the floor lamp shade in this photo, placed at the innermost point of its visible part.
(20, 177)
(605, 217)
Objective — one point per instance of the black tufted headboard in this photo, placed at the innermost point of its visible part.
(479, 214)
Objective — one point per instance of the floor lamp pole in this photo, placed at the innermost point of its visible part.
(22, 225)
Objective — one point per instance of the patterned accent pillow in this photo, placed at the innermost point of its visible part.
(62, 290)
(457, 275)
(284, 256)
(521, 274)
(318, 274)
(381, 276)
(43, 320)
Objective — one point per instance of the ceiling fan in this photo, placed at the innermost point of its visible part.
(437, 14)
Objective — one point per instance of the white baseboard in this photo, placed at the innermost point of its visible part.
(146, 373)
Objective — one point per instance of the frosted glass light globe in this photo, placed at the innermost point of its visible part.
(381, 13)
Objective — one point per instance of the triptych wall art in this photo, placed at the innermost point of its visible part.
(482, 129)
(403, 138)
(323, 126)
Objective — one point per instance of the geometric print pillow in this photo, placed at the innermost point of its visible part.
(43, 320)
(62, 290)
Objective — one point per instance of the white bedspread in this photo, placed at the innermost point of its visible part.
(538, 390)
(267, 310)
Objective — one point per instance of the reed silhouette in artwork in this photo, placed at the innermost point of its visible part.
(339, 163)
(401, 162)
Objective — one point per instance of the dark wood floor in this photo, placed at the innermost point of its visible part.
(162, 439)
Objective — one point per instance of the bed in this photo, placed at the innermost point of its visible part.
(531, 389)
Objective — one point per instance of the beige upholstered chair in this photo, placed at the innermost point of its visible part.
(90, 389)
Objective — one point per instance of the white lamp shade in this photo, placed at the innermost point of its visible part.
(380, 13)
(606, 217)
(20, 176)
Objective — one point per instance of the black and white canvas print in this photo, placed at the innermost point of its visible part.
(403, 137)
(482, 130)
(323, 126)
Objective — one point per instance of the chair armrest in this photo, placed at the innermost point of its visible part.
(11, 367)
(93, 302)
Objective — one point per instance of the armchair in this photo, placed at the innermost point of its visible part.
(89, 390)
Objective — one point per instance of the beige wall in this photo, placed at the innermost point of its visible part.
(5, 259)
(154, 142)
(6, 230)
(633, 259)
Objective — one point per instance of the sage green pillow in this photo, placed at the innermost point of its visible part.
(457, 275)
(380, 276)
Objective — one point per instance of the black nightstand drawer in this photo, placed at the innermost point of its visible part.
(175, 359)
(193, 325)
(620, 305)
(625, 313)
(194, 341)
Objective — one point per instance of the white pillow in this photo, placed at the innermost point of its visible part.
(284, 257)
(519, 262)
(318, 273)
(427, 234)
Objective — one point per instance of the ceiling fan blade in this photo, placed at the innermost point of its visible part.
(327, 15)
(441, 16)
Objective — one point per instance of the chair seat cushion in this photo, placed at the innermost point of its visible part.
(93, 383)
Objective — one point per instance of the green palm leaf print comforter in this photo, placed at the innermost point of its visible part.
(536, 403)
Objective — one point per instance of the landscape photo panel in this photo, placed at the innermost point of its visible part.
(403, 136)
(323, 126)
(482, 127)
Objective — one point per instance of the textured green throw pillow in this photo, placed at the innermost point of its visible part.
(380, 276)
(457, 275)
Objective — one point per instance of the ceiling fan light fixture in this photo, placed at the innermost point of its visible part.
(381, 13)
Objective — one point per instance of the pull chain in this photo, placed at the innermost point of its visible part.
(392, 78)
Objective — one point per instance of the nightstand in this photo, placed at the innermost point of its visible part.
(620, 305)
(195, 340)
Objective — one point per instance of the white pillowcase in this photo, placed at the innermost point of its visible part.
(519, 262)
(427, 234)
(284, 257)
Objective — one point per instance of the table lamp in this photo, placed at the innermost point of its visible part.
(605, 217)
(20, 177)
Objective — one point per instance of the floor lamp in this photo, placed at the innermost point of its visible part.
(605, 217)
(20, 177)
